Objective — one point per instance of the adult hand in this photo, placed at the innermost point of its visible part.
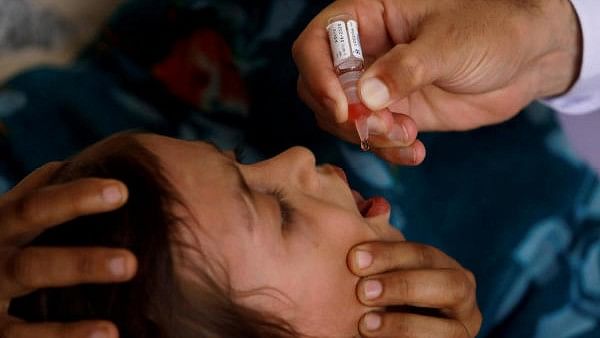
(445, 65)
(25, 212)
(432, 295)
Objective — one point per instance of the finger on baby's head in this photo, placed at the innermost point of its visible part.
(84, 329)
(42, 267)
(25, 217)
(35, 179)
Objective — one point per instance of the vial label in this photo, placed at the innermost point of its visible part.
(354, 39)
(338, 40)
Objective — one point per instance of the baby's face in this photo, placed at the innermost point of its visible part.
(281, 229)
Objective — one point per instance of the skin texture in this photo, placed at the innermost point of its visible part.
(301, 258)
(442, 65)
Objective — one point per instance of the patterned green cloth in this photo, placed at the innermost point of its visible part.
(510, 202)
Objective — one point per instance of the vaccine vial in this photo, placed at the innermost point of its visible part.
(349, 64)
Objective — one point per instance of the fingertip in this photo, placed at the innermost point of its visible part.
(359, 260)
(82, 329)
(402, 133)
(412, 155)
(362, 259)
(114, 192)
(369, 291)
(131, 264)
(103, 330)
(419, 152)
(409, 127)
(122, 265)
(374, 92)
(112, 195)
(370, 323)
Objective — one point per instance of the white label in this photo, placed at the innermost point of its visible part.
(338, 40)
(354, 39)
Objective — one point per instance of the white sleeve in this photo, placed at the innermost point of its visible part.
(584, 97)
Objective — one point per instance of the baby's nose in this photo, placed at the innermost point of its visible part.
(299, 166)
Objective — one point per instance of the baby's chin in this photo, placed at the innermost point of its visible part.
(341, 322)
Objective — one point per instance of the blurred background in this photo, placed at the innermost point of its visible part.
(47, 31)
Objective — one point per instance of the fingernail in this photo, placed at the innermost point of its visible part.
(111, 194)
(372, 289)
(117, 267)
(374, 93)
(398, 133)
(376, 125)
(372, 321)
(408, 156)
(363, 259)
(99, 334)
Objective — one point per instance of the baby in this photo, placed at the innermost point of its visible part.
(223, 249)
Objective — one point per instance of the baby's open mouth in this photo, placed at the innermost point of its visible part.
(370, 207)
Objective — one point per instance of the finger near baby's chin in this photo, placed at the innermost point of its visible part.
(410, 325)
(439, 289)
(84, 329)
(390, 256)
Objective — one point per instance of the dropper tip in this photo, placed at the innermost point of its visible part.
(364, 145)
(363, 132)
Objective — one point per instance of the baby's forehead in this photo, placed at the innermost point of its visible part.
(170, 148)
(166, 148)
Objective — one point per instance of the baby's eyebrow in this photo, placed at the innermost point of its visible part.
(245, 191)
(240, 182)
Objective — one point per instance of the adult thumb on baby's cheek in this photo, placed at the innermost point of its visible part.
(401, 71)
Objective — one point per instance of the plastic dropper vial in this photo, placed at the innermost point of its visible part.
(349, 64)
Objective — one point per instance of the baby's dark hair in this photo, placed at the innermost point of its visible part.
(153, 303)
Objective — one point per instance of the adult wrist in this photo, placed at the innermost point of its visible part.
(559, 68)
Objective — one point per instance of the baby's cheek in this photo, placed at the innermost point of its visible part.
(330, 308)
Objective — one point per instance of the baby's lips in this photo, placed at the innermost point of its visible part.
(374, 206)
(357, 198)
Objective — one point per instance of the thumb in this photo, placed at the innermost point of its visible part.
(401, 71)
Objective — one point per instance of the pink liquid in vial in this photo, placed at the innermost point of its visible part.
(357, 110)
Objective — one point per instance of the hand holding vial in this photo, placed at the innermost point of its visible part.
(430, 64)
(349, 65)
